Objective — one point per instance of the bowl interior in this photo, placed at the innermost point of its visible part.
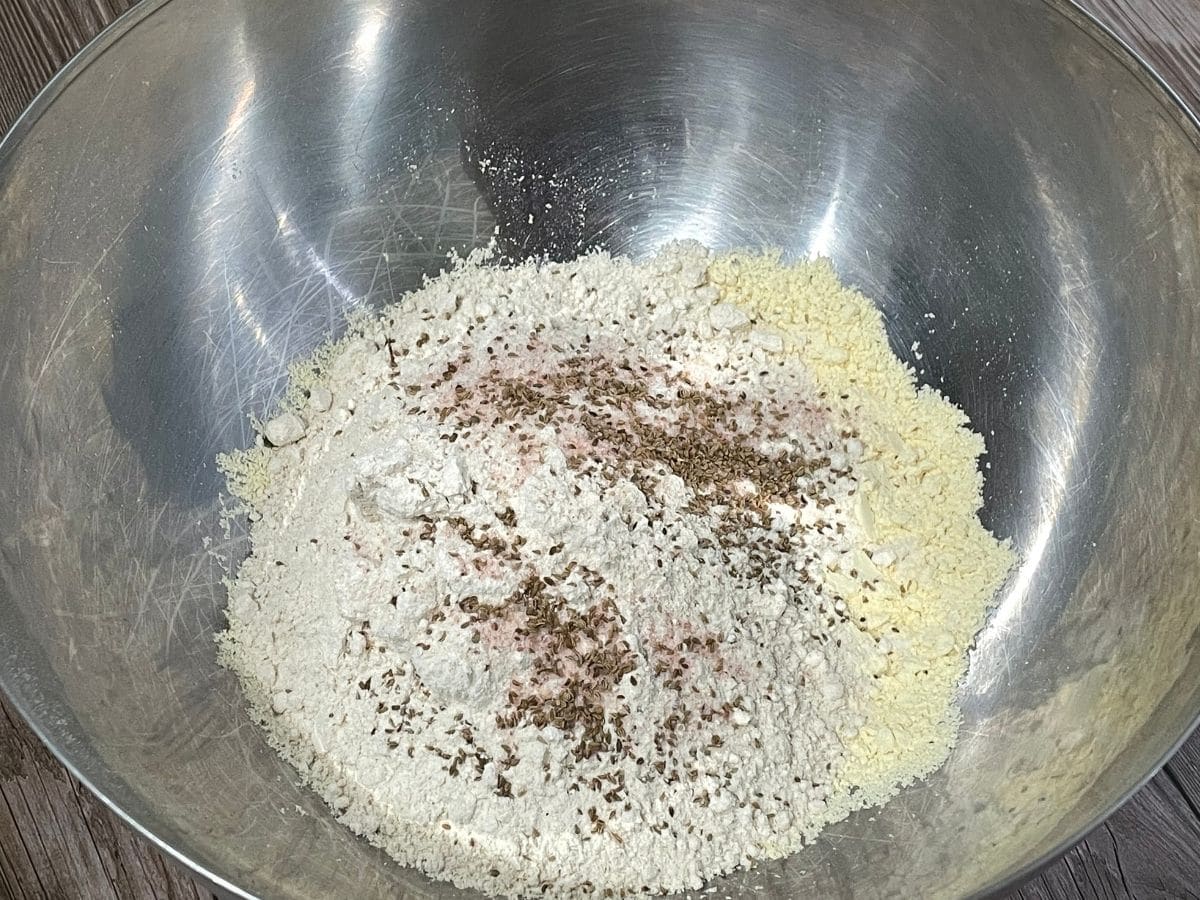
(218, 183)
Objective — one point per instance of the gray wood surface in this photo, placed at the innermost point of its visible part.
(58, 841)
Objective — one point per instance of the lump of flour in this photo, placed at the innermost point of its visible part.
(609, 577)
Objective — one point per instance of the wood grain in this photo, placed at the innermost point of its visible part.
(37, 37)
(59, 841)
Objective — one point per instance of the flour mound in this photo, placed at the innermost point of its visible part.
(573, 578)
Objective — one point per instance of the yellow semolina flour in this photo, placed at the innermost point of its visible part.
(937, 567)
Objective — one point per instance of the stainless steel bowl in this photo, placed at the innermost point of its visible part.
(207, 192)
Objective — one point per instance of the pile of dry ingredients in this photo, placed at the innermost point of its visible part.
(606, 578)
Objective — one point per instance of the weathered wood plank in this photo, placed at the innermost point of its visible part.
(25, 758)
(1148, 848)
(57, 840)
(125, 856)
(1184, 770)
(37, 37)
(1080, 873)
(1159, 839)
(17, 864)
(1166, 33)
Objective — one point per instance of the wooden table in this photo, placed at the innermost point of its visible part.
(57, 841)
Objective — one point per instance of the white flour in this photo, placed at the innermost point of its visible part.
(551, 582)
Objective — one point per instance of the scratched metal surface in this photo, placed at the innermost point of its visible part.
(282, 177)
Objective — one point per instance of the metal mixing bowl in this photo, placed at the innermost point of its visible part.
(213, 185)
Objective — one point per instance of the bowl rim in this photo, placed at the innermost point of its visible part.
(1087, 21)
